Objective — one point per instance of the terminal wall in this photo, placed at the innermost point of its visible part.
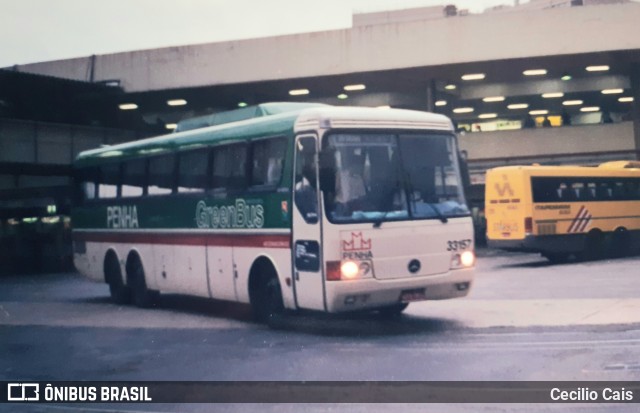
(541, 142)
(364, 48)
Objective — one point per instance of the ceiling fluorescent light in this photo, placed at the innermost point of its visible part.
(473, 76)
(601, 68)
(488, 115)
(355, 87)
(298, 92)
(518, 106)
(552, 95)
(538, 112)
(612, 91)
(128, 106)
(463, 110)
(535, 72)
(176, 102)
(572, 102)
(493, 99)
(441, 103)
(590, 109)
(626, 99)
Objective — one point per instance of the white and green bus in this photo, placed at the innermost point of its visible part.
(303, 207)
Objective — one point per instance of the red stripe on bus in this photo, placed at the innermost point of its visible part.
(576, 219)
(170, 238)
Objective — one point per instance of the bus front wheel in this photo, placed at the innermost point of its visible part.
(266, 297)
(392, 310)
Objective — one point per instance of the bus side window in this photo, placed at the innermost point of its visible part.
(579, 192)
(134, 178)
(603, 192)
(193, 171)
(230, 167)
(618, 191)
(161, 175)
(591, 191)
(87, 178)
(267, 161)
(109, 181)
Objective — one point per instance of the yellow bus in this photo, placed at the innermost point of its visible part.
(563, 210)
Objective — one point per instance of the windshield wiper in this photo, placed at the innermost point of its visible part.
(435, 209)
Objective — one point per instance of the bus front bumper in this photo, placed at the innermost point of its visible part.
(371, 293)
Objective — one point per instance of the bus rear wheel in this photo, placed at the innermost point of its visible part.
(142, 296)
(620, 243)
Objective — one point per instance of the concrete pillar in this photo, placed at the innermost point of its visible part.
(431, 96)
(635, 110)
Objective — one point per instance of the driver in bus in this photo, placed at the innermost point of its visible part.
(350, 188)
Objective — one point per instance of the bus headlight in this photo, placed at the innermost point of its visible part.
(348, 270)
(463, 259)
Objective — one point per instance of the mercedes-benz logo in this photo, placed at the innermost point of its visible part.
(414, 266)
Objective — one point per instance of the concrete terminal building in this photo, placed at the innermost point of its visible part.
(502, 76)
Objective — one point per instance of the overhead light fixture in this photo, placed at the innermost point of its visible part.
(383, 107)
(342, 96)
(552, 95)
(518, 106)
(601, 68)
(493, 99)
(612, 91)
(176, 102)
(441, 103)
(488, 115)
(535, 72)
(625, 99)
(572, 102)
(538, 112)
(590, 109)
(565, 77)
(128, 106)
(463, 110)
(473, 76)
(242, 104)
(355, 87)
(171, 126)
(450, 86)
(299, 92)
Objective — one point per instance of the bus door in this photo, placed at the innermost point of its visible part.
(307, 248)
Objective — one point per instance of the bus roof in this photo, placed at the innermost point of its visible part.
(608, 168)
(297, 118)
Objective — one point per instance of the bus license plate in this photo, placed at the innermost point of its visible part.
(417, 294)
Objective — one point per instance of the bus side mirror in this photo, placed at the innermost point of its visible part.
(327, 173)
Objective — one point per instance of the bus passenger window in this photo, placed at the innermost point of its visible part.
(268, 158)
(161, 175)
(603, 192)
(109, 181)
(134, 177)
(230, 167)
(88, 178)
(192, 175)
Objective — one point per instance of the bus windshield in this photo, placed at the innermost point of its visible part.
(386, 177)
